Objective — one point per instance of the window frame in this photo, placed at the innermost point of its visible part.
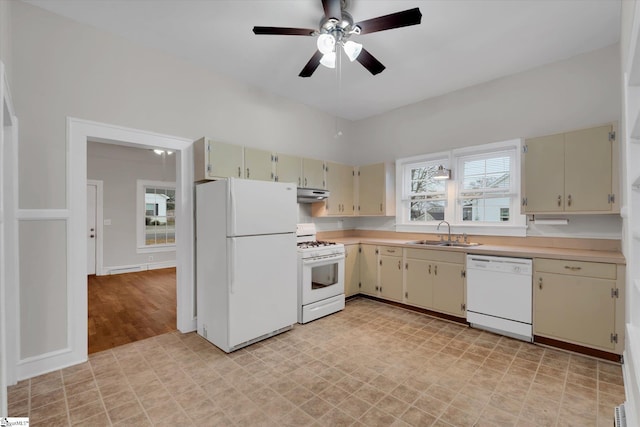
(406, 193)
(517, 226)
(511, 192)
(141, 244)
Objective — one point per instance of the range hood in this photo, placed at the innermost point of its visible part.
(312, 195)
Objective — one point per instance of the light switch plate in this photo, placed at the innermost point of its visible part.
(107, 222)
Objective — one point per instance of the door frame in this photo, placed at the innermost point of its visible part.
(99, 184)
(9, 277)
(79, 132)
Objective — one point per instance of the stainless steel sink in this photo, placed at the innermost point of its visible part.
(442, 243)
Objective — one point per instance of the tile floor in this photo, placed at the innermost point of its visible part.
(370, 365)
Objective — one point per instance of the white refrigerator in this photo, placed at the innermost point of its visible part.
(246, 261)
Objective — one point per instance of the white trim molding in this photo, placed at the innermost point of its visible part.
(78, 133)
(631, 374)
(120, 269)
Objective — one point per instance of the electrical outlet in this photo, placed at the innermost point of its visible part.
(150, 257)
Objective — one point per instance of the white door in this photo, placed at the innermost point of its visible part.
(92, 191)
(263, 292)
(261, 207)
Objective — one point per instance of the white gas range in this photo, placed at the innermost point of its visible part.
(320, 275)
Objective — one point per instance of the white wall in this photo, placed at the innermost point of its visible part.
(5, 37)
(119, 168)
(579, 92)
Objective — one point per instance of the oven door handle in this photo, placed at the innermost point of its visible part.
(322, 260)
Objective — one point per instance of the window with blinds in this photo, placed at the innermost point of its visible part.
(486, 187)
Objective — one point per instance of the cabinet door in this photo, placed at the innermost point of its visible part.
(391, 277)
(573, 308)
(313, 173)
(448, 289)
(351, 270)
(587, 161)
(347, 180)
(258, 164)
(371, 188)
(225, 160)
(543, 174)
(289, 169)
(368, 270)
(334, 176)
(418, 283)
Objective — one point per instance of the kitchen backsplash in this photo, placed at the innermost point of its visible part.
(579, 226)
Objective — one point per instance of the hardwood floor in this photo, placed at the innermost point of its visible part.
(129, 307)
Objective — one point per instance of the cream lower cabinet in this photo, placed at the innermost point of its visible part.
(580, 303)
(369, 270)
(390, 279)
(351, 270)
(435, 280)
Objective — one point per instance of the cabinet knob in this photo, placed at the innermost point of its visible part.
(435, 270)
(239, 172)
(559, 200)
(540, 282)
(569, 200)
(429, 268)
(247, 172)
(399, 265)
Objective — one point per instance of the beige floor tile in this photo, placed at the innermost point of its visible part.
(371, 364)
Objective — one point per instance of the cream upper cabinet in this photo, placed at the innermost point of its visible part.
(579, 302)
(288, 169)
(543, 174)
(340, 183)
(570, 172)
(214, 159)
(376, 194)
(390, 279)
(369, 269)
(587, 168)
(312, 173)
(258, 164)
(351, 270)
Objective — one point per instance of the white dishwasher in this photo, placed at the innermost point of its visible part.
(499, 294)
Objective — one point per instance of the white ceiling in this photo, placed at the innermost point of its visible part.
(460, 43)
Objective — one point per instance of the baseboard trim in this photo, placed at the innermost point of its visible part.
(413, 308)
(133, 268)
(48, 362)
(600, 354)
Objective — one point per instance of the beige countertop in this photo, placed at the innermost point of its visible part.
(614, 257)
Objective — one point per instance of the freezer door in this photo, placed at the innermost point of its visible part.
(261, 207)
(263, 289)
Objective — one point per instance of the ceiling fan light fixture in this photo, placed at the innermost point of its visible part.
(326, 43)
(329, 60)
(352, 49)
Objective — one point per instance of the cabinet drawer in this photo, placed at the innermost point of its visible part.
(436, 255)
(390, 250)
(576, 268)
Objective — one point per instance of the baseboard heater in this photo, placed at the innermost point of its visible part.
(619, 416)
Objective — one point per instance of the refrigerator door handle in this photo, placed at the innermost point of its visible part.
(232, 264)
(232, 214)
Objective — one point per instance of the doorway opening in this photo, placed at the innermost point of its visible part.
(131, 244)
(80, 134)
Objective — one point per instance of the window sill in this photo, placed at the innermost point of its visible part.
(475, 229)
(154, 249)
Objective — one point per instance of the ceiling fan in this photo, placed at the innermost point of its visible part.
(336, 27)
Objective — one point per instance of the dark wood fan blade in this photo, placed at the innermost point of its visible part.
(283, 31)
(388, 22)
(370, 62)
(332, 9)
(311, 66)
